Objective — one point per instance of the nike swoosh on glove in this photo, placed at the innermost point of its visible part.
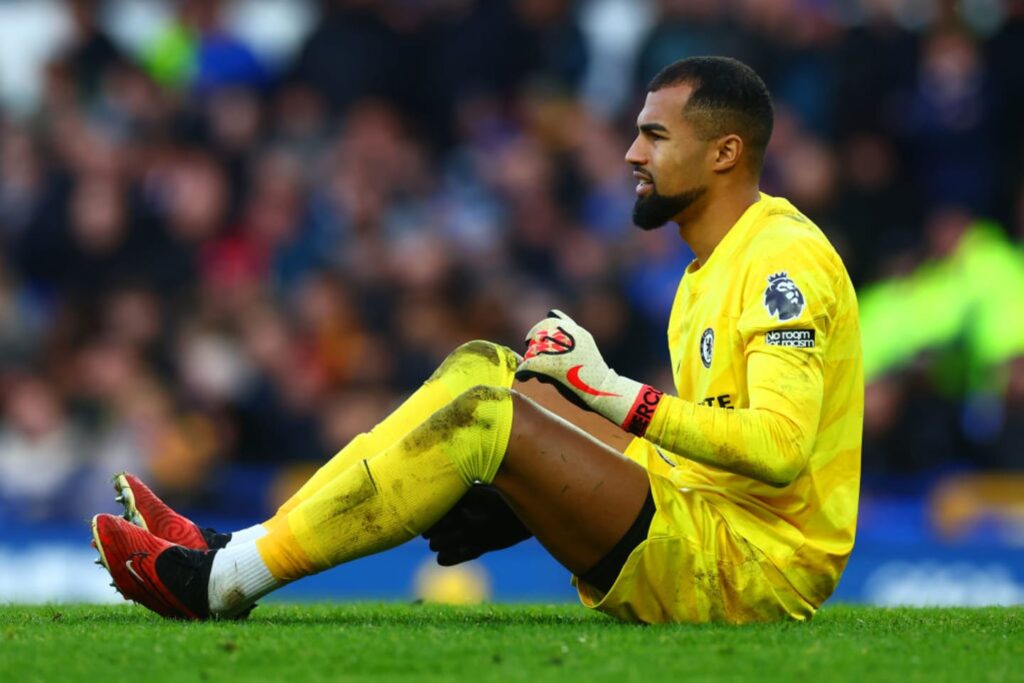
(559, 351)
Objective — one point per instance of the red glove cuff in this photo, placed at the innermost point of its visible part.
(639, 417)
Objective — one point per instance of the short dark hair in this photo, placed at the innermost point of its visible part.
(728, 97)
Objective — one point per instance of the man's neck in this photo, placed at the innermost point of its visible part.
(712, 219)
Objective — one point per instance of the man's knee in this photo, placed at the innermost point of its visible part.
(476, 426)
(475, 363)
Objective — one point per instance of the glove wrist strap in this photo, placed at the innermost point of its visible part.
(639, 417)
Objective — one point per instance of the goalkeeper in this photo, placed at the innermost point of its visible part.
(734, 499)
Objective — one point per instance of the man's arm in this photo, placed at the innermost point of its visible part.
(770, 441)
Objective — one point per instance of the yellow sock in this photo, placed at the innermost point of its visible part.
(394, 496)
(473, 364)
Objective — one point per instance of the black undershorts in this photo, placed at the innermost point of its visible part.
(604, 573)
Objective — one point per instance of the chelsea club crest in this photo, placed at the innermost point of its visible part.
(782, 298)
(707, 346)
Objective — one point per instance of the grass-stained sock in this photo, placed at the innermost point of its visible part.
(472, 364)
(394, 496)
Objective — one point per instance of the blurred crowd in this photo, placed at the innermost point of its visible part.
(215, 265)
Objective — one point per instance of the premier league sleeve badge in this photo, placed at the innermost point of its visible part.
(782, 298)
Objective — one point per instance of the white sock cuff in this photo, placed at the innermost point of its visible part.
(247, 535)
(239, 578)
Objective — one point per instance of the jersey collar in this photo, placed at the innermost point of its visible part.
(732, 241)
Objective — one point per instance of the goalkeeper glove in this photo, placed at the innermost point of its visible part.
(480, 522)
(564, 354)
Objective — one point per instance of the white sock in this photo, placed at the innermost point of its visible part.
(238, 579)
(247, 535)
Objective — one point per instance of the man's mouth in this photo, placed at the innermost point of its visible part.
(644, 185)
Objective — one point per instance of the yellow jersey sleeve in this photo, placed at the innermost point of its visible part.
(784, 323)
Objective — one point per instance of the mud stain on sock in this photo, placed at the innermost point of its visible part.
(235, 601)
(358, 487)
(459, 414)
(465, 357)
(371, 527)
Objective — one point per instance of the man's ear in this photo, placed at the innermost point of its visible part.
(728, 151)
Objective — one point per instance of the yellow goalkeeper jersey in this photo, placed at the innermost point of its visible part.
(765, 347)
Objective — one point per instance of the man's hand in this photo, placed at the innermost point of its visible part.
(480, 522)
(562, 353)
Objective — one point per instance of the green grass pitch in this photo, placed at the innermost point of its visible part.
(401, 642)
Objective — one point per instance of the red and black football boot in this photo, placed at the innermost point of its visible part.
(169, 579)
(144, 508)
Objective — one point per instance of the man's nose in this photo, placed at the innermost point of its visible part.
(635, 155)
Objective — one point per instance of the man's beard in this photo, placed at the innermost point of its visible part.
(654, 210)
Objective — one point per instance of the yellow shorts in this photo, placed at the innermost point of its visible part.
(692, 567)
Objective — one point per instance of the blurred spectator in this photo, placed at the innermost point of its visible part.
(684, 29)
(1005, 59)
(90, 53)
(1007, 443)
(40, 450)
(196, 50)
(949, 122)
(941, 351)
(877, 70)
(877, 206)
